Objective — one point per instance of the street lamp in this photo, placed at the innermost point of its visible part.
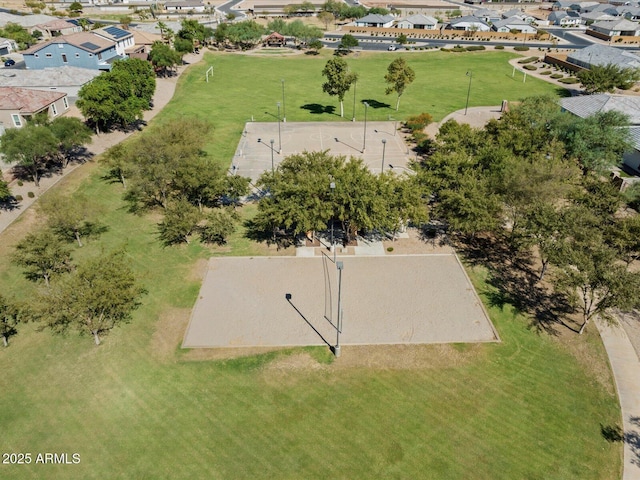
(364, 140)
(279, 135)
(470, 75)
(272, 142)
(284, 112)
(384, 147)
(336, 349)
(332, 186)
(355, 86)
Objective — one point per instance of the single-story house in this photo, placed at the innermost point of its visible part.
(469, 23)
(185, 6)
(84, 49)
(143, 41)
(7, 46)
(567, 18)
(564, 5)
(486, 14)
(513, 23)
(57, 27)
(630, 13)
(613, 28)
(18, 105)
(418, 22)
(586, 105)
(514, 12)
(597, 54)
(375, 20)
(593, 17)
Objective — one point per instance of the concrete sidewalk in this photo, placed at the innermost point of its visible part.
(626, 371)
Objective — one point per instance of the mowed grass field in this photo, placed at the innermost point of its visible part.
(247, 86)
(139, 407)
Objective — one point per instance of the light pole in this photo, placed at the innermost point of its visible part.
(332, 186)
(470, 75)
(384, 147)
(336, 349)
(284, 111)
(279, 135)
(364, 140)
(272, 142)
(355, 85)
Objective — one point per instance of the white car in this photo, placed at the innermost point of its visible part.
(392, 48)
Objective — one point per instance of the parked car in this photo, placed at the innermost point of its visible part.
(9, 63)
(392, 48)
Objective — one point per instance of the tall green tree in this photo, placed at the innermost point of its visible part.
(218, 225)
(71, 218)
(101, 294)
(141, 75)
(71, 134)
(245, 35)
(5, 192)
(9, 319)
(326, 18)
(399, 76)
(607, 78)
(30, 147)
(180, 220)
(43, 256)
(348, 42)
(163, 57)
(339, 80)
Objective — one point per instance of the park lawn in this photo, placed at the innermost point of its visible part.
(245, 87)
(532, 406)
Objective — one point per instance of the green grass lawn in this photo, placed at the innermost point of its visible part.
(245, 87)
(531, 407)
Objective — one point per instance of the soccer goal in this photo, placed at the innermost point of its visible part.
(209, 72)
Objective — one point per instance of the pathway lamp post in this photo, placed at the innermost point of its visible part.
(272, 142)
(470, 75)
(384, 147)
(336, 349)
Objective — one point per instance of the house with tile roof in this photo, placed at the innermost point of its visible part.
(586, 105)
(18, 105)
(567, 18)
(513, 23)
(613, 28)
(375, 20)
(84, 49)
(418, 22)
(68, 80)
(469, 23)
(122, 38)
(57, 27)
(601, 55)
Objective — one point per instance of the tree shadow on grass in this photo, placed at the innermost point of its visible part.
(376, 104)
(317, 109)
(515, 282)
(632, 438)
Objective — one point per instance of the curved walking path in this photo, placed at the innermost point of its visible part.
(165, 88)
(626, 371)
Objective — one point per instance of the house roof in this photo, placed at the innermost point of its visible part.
(597, 54)
(145, 38)
(375, 18)
(419, 19)
(516, 21)
(586, 105)
(84, 40)
(57, 24)
(468, 19)
(185, 3)
(597, 16)
(634, 133)
(112, 33)
(52, 77)
(27, 101)
(622, 24)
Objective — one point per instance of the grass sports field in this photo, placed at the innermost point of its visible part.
(533, 406)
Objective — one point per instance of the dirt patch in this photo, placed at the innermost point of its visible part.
(204, 354)
(168, 333)
(416, 244)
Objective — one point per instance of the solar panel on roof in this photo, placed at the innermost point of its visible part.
(90, 46)
(116, 32)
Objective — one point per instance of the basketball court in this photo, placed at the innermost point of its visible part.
(256, 151)
(293, 301)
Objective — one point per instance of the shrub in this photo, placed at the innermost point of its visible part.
(18, 198)
(20, 183)
(473, 48)
(546, 72)
(528, 60)
(458, 48)
(389, 249)
(530, 67)
(30, 194)
(417, 123)
(569, 80)
(499, 47)
(521, 48)
(557, 75)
